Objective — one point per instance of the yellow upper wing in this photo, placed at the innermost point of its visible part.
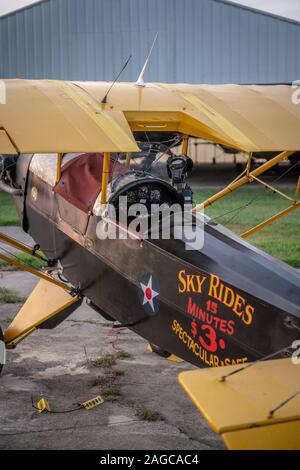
(57, 116)
(54, 116)
(250, 118)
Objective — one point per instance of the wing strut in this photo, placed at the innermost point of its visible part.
(48, 305)
(105, 176)
(248, 177)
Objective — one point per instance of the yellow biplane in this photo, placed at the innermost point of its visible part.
(71, 152)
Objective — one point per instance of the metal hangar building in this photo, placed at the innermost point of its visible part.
(200, 41)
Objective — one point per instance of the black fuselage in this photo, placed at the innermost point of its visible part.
(227, 303)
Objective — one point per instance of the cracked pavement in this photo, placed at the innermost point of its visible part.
(53, 364)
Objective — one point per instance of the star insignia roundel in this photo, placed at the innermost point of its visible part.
(149, 293)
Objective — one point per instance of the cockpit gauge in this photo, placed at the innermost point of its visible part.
(155, 196)
(143, 192)
(131, 197)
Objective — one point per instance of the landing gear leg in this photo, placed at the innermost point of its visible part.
(160, 352)
(2, 351)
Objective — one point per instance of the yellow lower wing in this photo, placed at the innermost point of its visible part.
(282, 436)
(240, 406)
(46, 303)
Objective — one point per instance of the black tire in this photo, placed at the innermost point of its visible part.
(160, 352)
(1, 345)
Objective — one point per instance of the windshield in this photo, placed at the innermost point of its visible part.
(153, 157)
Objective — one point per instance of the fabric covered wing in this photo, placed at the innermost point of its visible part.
(250, 407)
(249, 118)
(54, 116)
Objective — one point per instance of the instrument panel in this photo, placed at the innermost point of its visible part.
(148, 194)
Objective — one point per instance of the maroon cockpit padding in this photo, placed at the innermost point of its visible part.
(81, 179)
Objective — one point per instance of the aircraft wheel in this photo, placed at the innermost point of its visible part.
(2, 351)
(160, 352)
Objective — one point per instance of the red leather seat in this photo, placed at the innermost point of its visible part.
(81, 179)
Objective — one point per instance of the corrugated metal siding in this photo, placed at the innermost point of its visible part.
(200, 41)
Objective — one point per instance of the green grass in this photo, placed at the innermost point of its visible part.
(111, 394)
(10, 297)
(145, 414)
(25, 259)
(9, 217)
(109, 360)
(123, 355)
(8, 212)
(280, 239)
(118, 372)
(105, 361)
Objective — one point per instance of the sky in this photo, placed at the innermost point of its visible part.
(288, 8)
